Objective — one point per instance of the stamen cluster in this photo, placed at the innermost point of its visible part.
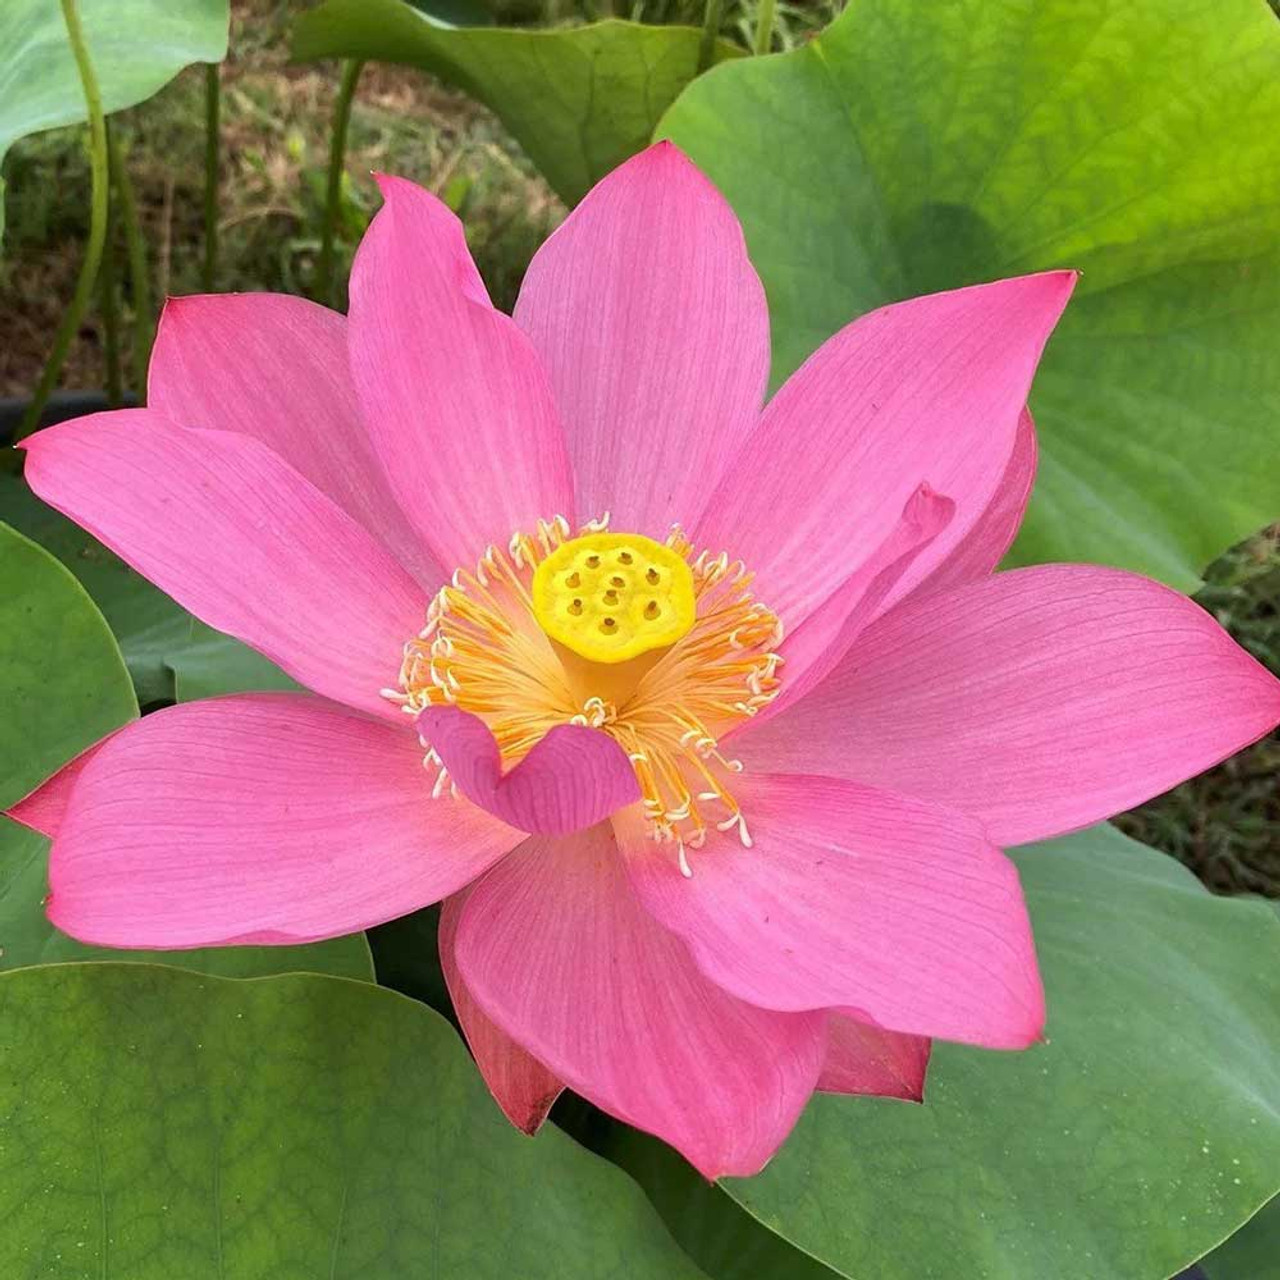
(482, 650)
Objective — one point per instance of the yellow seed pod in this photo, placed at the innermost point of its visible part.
(610, 597)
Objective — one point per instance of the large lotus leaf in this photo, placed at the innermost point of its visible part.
(1137, 1138)
(27, 937)
(170, 655)
(136, 46)
(580, 100)
(63, 684)
(161, 1124)
(916, 146)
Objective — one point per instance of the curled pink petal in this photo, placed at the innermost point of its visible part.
(849, 896)
(237, 536)
(654, 329)
(257, 818)
(275, 367)
(931, 388)
(451, 391)
(865, 1059)
(826, 634)
(982, 548)
(557, 951)
(573, 777)
(520, 1084)
(1040, 700)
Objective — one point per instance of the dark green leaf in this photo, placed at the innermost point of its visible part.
(161, 1124)
(719, 1235)
(63, 678)
(917, 146)
(1253, 1253)
(406, 956)
(580, 100)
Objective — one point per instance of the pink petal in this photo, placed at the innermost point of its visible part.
(242, 540)
(572, 778)
(257, 818)
(865, 1059)
(978, 553)
(275, 367)
(653, 327)
(559, 953)
(925, 391)
(520, 1084)
(44, 808)
(453, 396)
(1039, 700)
(824, 637)
(849, 896)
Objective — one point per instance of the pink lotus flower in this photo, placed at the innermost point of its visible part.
(727, 711)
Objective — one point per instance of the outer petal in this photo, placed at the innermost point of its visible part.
(653, 326)
(229, 530)
(257, 818)
(849, 896)
(559, 953)
(275, 367)
(520, 1084)
(865, 1059)
(572, 778)
(928, 390)
(455, 401)
(982, 548)
(1039, 700)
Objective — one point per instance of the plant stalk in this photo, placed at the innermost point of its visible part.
(710, 34)
(109, 306)
(212, 149)
(139, 276)
(764, 27)
(337, 163)
(100, 199)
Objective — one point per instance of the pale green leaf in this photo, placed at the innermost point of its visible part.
(917, 146)
(136, 46)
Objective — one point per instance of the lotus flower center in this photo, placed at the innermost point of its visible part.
(610, 597)
(663, 649)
